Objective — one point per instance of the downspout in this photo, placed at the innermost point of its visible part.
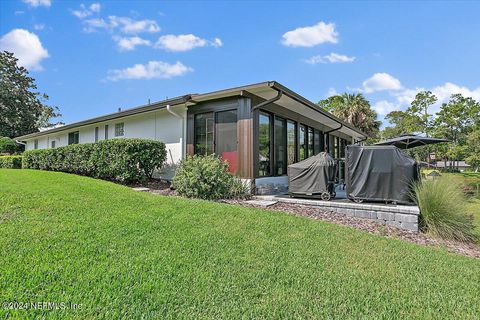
(20, 142)
(169, 109)
(272, 100)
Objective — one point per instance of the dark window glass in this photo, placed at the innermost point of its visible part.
(264, 138)
(119, 129)
(73, 137)
(310, 142)
(96, 134)
(317, 147)
(302, 142)
(53, 144)
(226, 138)
(35, 144)
(204, 126)
(106, 132)
(291, 142)
(280, 146)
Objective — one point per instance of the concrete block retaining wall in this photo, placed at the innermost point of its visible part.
(398, 216)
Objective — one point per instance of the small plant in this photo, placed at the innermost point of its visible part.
(443, 211)
(206, 177)
(11, 162)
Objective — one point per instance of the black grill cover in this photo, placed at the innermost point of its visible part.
(380, 173)
(311, 176)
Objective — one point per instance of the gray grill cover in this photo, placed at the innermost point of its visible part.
(380, 173)
(311, 176)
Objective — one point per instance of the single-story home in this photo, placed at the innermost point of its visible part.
(259, 129)
(460, 165)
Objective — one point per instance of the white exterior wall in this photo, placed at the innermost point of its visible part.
(158, 125)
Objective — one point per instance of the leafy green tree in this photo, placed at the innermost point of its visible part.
(353, 109)
(22, 108)
(473, 149)
(418, 111)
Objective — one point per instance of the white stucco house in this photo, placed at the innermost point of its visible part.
(259, 129)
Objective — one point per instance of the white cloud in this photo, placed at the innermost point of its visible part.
(38, 3)
(217, 43)
(151, 70)
(129, 44)
(128, 25)
(95, 7)
(121, 24)
(84, 12)
(26, 46)
(311, 36)
(384, 107)
(39, 26)
(330, 58)
(184, 42)
(380, 82)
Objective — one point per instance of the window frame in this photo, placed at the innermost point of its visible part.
(96, 134)
(120, 126)
(74, 137)
(105, 130)
(35, 144)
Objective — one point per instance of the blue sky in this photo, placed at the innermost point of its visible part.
(93, 57)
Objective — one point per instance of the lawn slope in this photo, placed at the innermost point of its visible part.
(119, 253)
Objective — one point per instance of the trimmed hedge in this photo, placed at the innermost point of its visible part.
(125, 160)
(11, 162)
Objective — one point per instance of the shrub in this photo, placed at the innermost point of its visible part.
(7, 145)
(125, 160)
(443, 210)
(11, 162)
(206, 177)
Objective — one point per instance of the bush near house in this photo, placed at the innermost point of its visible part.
(206, 177)
(443, 211)
(11, 162)
(8, 145)
(124, 160)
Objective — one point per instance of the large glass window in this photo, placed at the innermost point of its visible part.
(302, 142)
(204, 130)
(226, 141)
(264, 138)
(73, 137)
(291, 142)
(280, 147)
(310, 142)
(317, 142)
(96, 134)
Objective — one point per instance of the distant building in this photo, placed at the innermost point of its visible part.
(460, 165)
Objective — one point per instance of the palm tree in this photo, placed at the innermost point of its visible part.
(353, 108)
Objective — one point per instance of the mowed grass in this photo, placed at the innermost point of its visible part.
(122, 254)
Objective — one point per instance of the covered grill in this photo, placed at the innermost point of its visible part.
(313, 177)
(380, 173)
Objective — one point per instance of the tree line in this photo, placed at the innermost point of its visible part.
(458, 120)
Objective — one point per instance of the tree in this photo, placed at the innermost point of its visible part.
(22, 108)
(473, 149)
(419, 111)
(353, 109)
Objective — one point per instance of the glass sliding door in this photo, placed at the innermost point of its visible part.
(264, 138)
(302, 142)
(226, 141)
(204, 133)
(280, 146)
(291, 142)
(310, 142)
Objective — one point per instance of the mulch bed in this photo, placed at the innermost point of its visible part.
(163, 188)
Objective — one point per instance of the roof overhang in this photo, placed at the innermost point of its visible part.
(111, 116)
(290, 100)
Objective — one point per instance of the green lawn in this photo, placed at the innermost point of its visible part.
(119, 253)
